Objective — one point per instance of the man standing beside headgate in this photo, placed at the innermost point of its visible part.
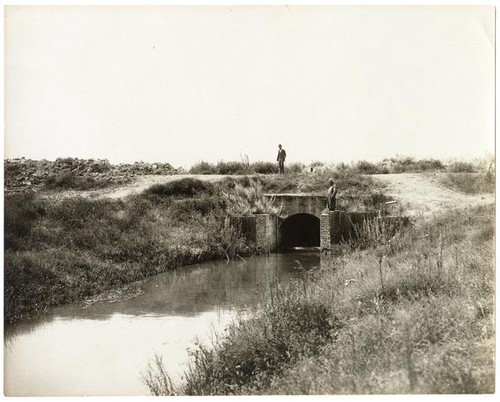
(331, 196)
(281, 159)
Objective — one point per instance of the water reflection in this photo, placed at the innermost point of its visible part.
(102, 349)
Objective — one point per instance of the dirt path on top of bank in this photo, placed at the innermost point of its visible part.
(422, 193)
(140, 184)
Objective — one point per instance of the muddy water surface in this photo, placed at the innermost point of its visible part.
(104, 348)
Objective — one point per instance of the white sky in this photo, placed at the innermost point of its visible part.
(185, 84)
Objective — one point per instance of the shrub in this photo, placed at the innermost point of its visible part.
(470, 183)
(183, 208)
(376, 200)
(100, 166)
(430, 165)
(69, 181)
(229, 183)
(242, 200)
(316, 164)
(295, 167)
(404, 164)
(27, 285)
(79, 212)
(186, 187)
(12, 168)
(202, 168)
(223, 239)
(461, 167)
(63, 180)
(231, 168)
(341, 167)
(264, 167)
(366, 167)
(66, 161)
(20, 213)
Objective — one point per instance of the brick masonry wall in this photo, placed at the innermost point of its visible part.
(324, 228)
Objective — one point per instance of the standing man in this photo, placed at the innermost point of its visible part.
(281, 159)
(331, 196)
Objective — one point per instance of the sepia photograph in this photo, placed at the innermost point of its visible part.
(249, 200)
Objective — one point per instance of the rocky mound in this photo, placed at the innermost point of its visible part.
(73, 173)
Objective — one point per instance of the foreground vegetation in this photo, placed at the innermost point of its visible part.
(409, 314)
(62, 251)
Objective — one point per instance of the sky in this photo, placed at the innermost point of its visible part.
(186, 84)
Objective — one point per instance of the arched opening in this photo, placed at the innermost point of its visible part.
(299, 230)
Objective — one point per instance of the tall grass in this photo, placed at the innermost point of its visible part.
(470, 183)
(413, 313)
(264, 167)
(221, 167)
(248, 199)
(419, 311)
(185, 187)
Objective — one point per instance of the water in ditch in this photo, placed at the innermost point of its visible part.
(105, 347)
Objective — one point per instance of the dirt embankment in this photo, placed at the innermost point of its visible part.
(423, 194)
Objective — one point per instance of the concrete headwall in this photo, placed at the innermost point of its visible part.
(291, 204)
(266, 227)
(259, 229)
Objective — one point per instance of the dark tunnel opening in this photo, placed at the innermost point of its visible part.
(300, 230)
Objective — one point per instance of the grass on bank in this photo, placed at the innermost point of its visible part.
(470, 183)
(410, 314)
(70, 181)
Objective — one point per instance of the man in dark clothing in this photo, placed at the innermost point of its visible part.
(331, 196)
(281, 159)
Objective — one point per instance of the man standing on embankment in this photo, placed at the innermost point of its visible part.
(281, 159)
